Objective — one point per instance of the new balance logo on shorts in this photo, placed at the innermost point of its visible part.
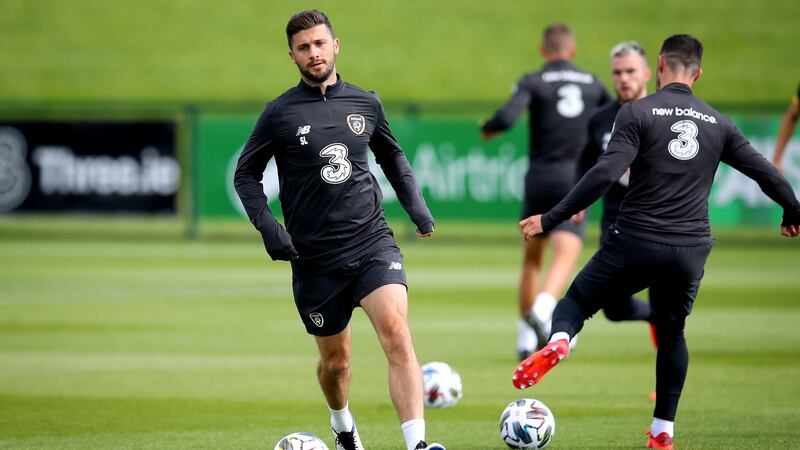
(395, 266)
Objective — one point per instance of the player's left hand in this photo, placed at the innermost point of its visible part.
(790, 230)
(577, 218)
(488, 135)
(531, 226)
(425, 232)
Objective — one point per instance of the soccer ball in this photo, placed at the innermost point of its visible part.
(441, 385)
(301, 441)
(527, 423)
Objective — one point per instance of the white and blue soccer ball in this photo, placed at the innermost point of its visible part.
(441, 385)
(301, 441)
(527, 423)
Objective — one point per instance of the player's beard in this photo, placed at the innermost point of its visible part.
(635, 95)
(317, 78)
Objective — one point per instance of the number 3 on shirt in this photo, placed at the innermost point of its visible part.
(685, 146)
(339, 169)
(570, 101)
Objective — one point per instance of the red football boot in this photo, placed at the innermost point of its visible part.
(533, 368)
(663, 440)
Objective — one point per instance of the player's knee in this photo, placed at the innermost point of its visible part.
(668, 336)
(396, 340)
(614, 315)
(669, 329)
(578, 302)
(335, 364)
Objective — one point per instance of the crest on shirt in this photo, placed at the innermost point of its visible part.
(317, 319)
(356, 123)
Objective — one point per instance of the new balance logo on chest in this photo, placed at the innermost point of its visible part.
(302, 132)
(394, 265)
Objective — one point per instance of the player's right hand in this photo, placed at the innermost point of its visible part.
(790, 230)
(285, 254)
(279, 245)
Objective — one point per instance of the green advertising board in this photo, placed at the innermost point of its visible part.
(464, 177)
(218, 141)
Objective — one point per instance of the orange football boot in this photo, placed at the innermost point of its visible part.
(534, 367)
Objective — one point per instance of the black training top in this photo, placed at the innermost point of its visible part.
(331, 202)
(560, 99)
(600, 125)
(673, 143)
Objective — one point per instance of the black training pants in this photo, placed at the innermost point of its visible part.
(624, 265)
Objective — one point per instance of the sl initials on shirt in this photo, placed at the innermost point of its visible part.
(302, 131)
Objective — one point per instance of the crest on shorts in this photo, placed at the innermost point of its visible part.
(317, 319)
(356, 123)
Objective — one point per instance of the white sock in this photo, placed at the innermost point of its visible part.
(413, 431)
(526, 338)
(573, 342)
(341, 420)
(660, 425)
(559, 336)
(543, 306)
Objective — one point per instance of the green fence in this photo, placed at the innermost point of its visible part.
(464, 177)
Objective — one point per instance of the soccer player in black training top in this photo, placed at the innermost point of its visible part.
(788, 124)
(342, 252)
(630, 75)
(673, 143)
(559, 98)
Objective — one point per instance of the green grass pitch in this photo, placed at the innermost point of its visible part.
(412, 50)
(113, 338)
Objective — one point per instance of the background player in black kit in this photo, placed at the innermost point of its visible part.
(630, 75)
(788, 123)
(342, 252)
(673, 143)
(559, 98)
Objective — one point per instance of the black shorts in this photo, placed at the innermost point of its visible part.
(326, 301)
(625, 264)
(545, 186)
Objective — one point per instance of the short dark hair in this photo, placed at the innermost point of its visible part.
(556, 37)
(682, 53)
(305, 20)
